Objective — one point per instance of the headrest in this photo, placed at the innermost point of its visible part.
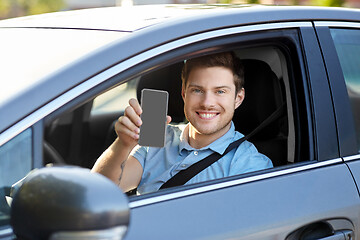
(167, 79)
(263, 96)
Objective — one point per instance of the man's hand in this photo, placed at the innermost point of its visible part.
(115, 162)
(128, 126)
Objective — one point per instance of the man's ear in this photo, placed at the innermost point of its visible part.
(183, 92)
(240, 96)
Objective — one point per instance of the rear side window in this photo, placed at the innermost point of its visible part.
(15, 163)
(347, 43)
(113, 100)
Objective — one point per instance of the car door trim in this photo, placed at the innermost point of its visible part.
(120, 67)
(180, 194)
(336, 24)
(352, 158)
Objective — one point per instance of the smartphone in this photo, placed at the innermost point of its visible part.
(154, 104)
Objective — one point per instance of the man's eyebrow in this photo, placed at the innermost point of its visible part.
(194, 85)
(217, 87)
(222, 87)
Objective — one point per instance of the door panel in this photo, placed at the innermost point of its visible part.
(267, 209)
(354, 166)
(274, 207)
(340, 44)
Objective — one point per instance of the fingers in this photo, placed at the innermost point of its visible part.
(135, 105)
(125, 126)
(129, 123)
(132, 116)
(133, 112)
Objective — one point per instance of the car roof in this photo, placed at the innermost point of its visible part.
(127, 19)
(46, 55)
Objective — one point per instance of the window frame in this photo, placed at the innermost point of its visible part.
(211, 42)
(141, 63)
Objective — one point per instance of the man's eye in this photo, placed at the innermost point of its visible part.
(196, 90)
(220, 92)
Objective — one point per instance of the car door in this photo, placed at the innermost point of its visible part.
(341, 43)
(312, 197)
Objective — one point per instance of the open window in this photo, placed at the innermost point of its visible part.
(273, 82)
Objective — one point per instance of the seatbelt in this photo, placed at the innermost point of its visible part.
(185, 175)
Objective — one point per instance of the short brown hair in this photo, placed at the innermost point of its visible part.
(225, 59)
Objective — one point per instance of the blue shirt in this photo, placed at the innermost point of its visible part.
(160, 164)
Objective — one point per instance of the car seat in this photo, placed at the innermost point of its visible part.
(65, 137)
(264, 94)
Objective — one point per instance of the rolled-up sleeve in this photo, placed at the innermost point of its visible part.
(140, 153)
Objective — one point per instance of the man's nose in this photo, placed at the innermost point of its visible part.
(208, 100)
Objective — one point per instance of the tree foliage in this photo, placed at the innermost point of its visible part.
(15, 8)
(331, 3)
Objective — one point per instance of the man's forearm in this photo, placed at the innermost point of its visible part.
(111, 163)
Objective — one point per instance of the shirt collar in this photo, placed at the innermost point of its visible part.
(184, 144)
(219, 145)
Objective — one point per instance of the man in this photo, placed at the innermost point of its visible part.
(212, 89)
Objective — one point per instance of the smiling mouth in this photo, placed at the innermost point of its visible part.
(207, 116)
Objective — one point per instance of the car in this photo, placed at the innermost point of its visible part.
(66, 78)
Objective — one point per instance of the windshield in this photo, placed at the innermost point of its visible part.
(29, 54)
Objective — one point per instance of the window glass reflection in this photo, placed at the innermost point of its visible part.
(347, 43)
(15, 163)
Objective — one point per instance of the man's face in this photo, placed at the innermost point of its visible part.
(210, 100)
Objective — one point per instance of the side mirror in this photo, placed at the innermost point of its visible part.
(69, 203)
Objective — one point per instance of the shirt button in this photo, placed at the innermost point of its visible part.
(196, 153)
(183, 165)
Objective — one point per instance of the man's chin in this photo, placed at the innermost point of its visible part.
(206, 130)
(210, 128)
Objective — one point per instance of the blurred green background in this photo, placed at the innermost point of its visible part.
(15, 8)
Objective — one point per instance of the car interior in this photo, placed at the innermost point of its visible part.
(80, 136)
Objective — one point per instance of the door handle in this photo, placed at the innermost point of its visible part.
(322, 231)
(341, 235)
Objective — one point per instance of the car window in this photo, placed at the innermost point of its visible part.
(112, 100)
(269, 90)
(15, 163)
(347, 43)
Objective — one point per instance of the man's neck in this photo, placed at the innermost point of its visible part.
(198, 140)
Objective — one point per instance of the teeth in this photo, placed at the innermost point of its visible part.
(207, 115)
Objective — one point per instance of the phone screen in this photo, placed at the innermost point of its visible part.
(154, 105)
